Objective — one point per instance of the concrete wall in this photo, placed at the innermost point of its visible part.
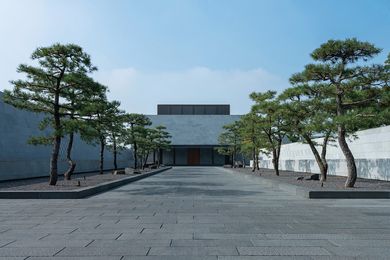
(21, 160)
(219, 159)
(167, 157)
(371, 151)
(206, 156)
(181, 156)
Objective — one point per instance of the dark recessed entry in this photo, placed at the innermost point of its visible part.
(193, 156)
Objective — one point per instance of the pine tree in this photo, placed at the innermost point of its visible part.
(45, 88)
(136, 124)
(230, 141)
(77, 100)
(309, 115)
(352, 86)
(270, 118)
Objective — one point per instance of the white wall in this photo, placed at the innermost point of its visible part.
(371, 151)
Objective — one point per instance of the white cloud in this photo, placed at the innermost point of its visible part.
(140, 91)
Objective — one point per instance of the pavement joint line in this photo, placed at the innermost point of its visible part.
(147, 253)
(6, 230)
(59, 251)
(238, 252)
(44, 236)
(89, 243)
(98, 225)
(73, 230)
(8, 243)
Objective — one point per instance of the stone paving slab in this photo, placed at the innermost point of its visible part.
(170, 257)
(77, 258)
(29, 251)
(195, 213)
(278, 250)
(193, 251)
(104, 251)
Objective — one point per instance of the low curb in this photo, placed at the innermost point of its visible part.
(333, 194)
(323, 194)
(80, 193)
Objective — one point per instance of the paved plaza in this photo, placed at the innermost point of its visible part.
(195, 213)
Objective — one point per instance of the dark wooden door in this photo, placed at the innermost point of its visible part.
(193, 156)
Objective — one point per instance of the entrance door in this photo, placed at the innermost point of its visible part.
(193, 156)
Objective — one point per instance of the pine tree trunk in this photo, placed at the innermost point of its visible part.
(101, 166)
(56, 144)
(323, 155)
(146, 160)
(72, 164)
(275, 160)
(159, 158)
(135, 156)
(135, 147)
(232, 158)
(142, 160)
(352, 171)
(254, 159)
(115, 152)
(319, 160)
(54, 160)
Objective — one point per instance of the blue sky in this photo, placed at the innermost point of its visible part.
(183, 51)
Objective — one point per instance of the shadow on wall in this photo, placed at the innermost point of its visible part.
(264, 164)
(366, 168)
(305, 165)
(383, 168)
(333, 165)
(289, 165)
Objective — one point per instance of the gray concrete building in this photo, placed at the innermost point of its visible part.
(194, 130)
(19, 160)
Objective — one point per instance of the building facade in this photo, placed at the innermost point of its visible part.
(195, 130)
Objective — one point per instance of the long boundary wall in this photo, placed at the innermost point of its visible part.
(371, 150)
(20, 160)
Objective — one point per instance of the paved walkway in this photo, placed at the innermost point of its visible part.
(195, 213)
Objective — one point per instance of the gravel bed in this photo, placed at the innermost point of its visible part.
(42, 183)
(332, 182)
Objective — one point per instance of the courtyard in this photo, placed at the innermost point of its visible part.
(195, 213)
